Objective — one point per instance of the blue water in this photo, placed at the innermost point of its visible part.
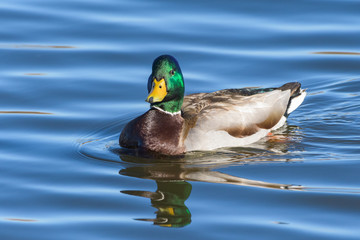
(72, 73)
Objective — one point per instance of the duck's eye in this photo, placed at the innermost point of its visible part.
(172, 72)
(160, 86)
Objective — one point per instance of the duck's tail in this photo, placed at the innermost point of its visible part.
(297, 96)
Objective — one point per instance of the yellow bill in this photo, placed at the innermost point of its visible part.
(158, 91)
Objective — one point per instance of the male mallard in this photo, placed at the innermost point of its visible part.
(175, 124)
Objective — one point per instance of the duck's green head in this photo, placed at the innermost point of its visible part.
(166, 84)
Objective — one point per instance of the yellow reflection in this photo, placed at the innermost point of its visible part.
(20, 220)
(40, 46)
(89, 141)
(169, 200)
(337, 53)
(25, 112)
(35, 74)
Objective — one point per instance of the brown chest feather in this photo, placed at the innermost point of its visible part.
(155, 131)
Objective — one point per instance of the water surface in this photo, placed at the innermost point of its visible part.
(72, 73)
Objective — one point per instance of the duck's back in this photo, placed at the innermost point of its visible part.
(234, 117)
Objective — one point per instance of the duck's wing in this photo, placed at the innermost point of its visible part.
(239, 115)
(262, 107)
(221, 118)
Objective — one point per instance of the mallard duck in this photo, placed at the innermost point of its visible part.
(175, 124)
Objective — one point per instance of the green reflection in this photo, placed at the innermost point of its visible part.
(169, 199)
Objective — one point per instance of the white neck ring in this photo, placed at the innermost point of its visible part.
(162, 110)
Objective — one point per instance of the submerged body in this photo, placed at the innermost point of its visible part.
(205, 121)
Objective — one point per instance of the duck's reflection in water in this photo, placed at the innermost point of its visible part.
(173, 189)
(171, 174)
